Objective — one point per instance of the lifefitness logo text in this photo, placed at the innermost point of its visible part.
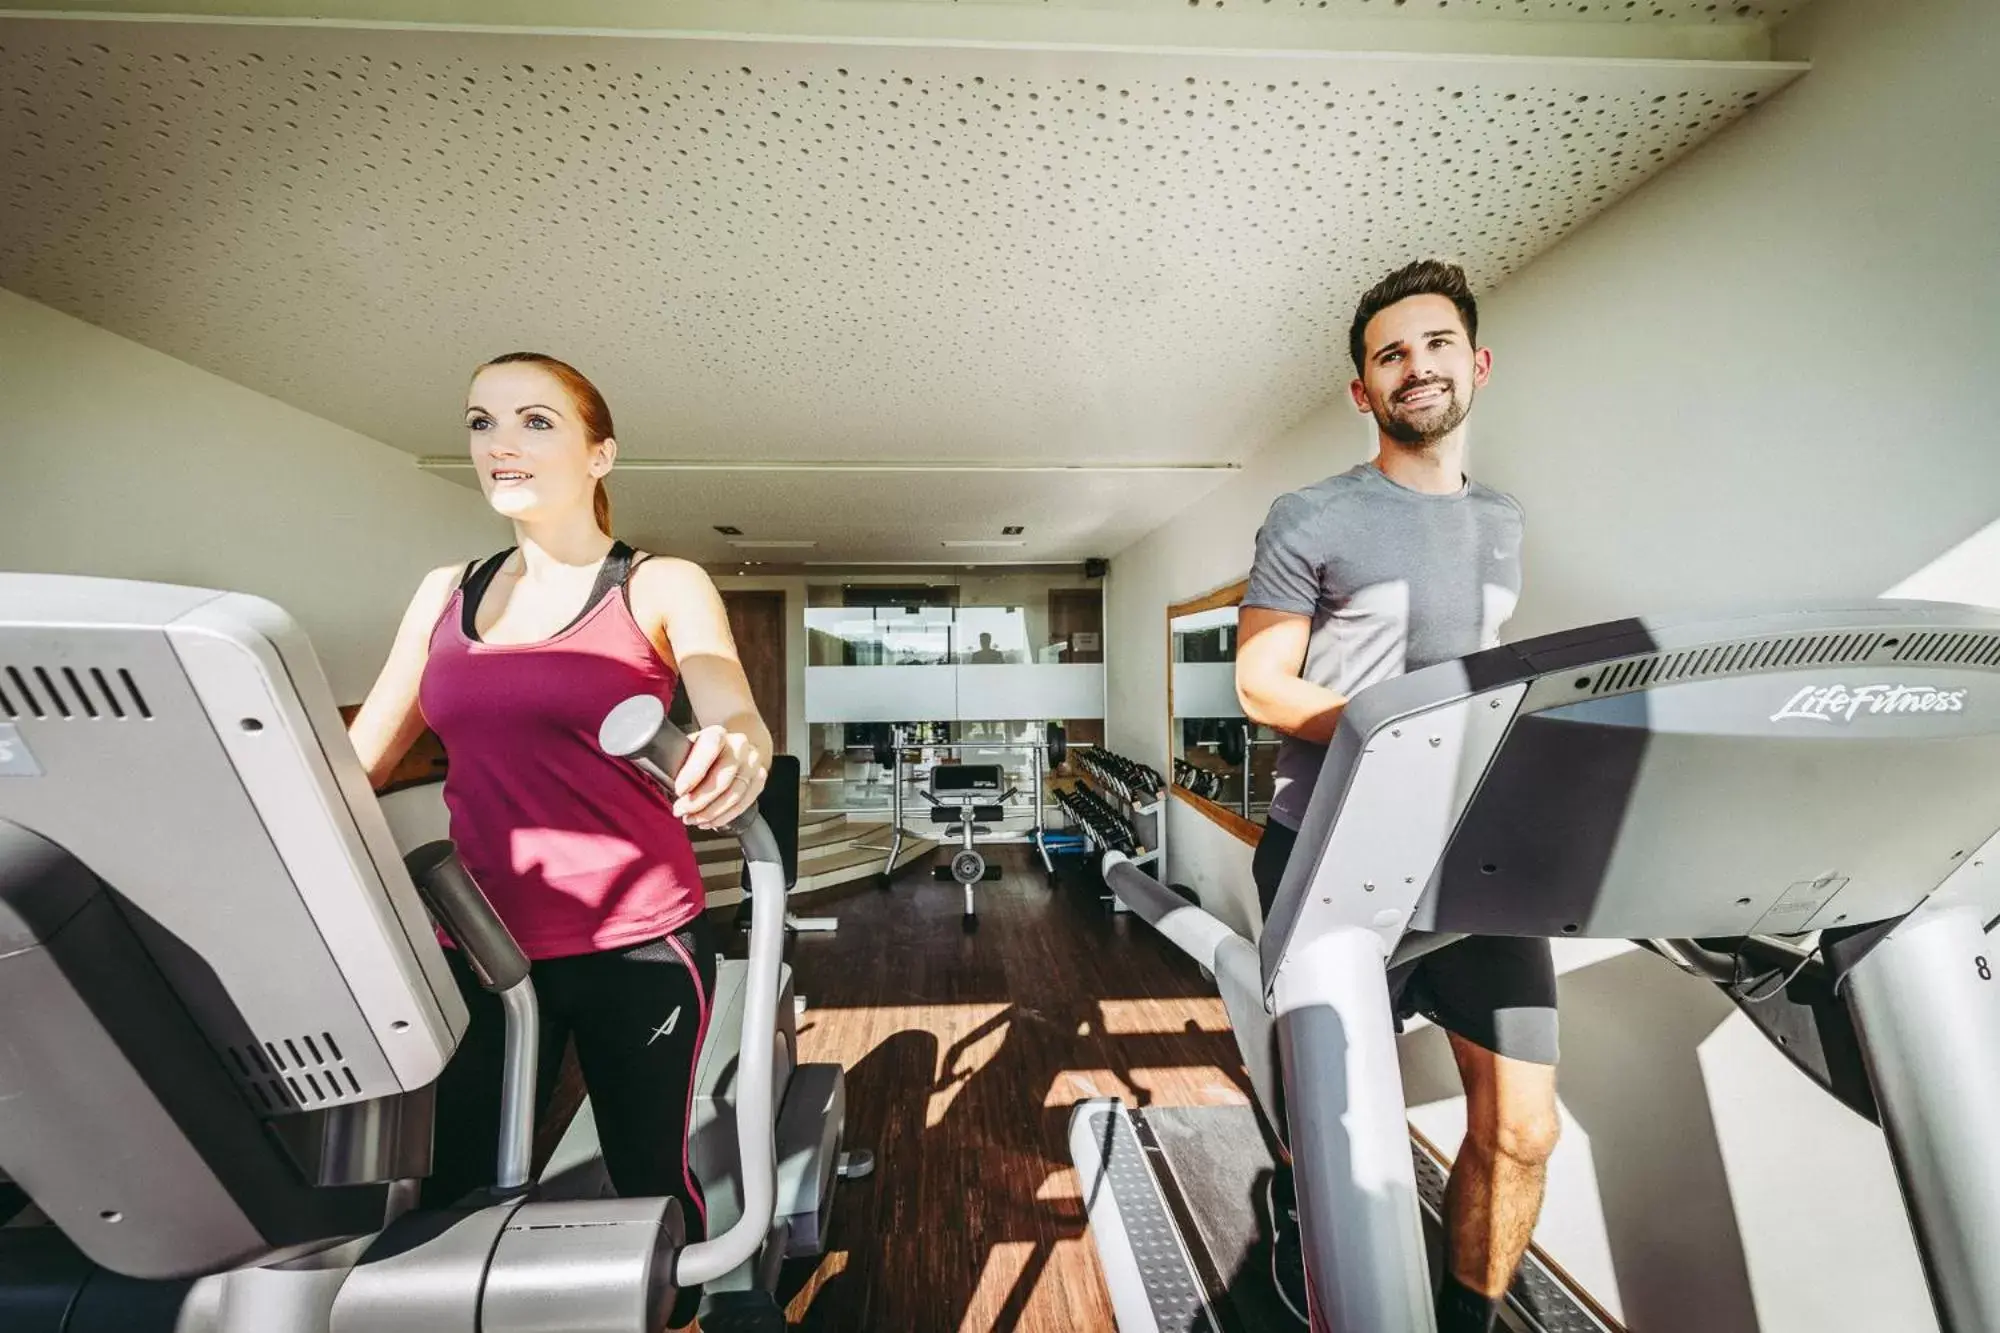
(1837, 703)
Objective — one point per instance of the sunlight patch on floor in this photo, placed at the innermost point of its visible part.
(1061, 1187)
(831, 1265)
(1177, 1085)
(1132, 1018)
(1074, 1085)
(1005, 1263)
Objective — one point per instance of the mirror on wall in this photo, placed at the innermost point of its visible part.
(1222, 760)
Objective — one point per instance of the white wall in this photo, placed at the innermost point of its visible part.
(1760, 378)
(120, 461)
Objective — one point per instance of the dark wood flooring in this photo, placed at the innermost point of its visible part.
(965, 1053)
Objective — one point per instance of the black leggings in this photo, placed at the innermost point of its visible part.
(638, 1016)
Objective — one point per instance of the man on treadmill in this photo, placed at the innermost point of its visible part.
(1393, 565)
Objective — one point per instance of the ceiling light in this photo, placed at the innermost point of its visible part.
(983, 541)
(768, 544)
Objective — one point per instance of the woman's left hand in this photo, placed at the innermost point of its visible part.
(721, 779)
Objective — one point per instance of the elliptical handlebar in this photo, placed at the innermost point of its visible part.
(457, 903)
(638, 731)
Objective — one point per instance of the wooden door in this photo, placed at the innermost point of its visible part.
(757, 623)
(1074, 612)
(1076, 618)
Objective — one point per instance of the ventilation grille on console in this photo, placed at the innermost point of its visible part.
(1944, 649)
(296, 1073)
(1789, 651)
(71, 694)
(1729, 658)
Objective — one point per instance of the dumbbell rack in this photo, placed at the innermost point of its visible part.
(1145, 816)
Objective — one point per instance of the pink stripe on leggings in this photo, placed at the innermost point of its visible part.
(687, 1122)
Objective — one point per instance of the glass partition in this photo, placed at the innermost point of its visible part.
(1067, 629)
(878, 636)
(963, 659)
(993, 636)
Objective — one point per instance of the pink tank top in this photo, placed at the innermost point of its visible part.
(577, 852)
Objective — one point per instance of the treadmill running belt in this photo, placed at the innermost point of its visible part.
(1217, 1160)
(1537, 1301)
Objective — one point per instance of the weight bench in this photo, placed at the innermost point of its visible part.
(967, 799)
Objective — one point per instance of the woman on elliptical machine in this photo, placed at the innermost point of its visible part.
(514, 661)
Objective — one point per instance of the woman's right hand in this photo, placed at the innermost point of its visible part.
(722, 777)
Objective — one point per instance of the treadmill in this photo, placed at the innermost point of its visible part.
(1801, 806)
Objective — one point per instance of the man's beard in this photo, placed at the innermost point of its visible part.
(1429, 424)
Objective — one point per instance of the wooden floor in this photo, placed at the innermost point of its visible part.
(964, 1055)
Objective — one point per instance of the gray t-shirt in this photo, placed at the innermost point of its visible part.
(1393, 579)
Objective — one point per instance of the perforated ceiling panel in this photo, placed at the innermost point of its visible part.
(778, 250)
(902, 517)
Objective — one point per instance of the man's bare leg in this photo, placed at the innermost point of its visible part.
(1495, 1192)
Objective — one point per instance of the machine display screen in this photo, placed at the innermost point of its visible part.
(976, 779)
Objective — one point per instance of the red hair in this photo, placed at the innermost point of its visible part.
(591, 410)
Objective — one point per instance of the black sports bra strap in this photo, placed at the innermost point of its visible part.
(632, 562)
(616, 569)
(614, 573)
(474, 590)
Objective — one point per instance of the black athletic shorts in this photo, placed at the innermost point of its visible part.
(1495, 991)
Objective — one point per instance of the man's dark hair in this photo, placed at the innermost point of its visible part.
(1426, 277)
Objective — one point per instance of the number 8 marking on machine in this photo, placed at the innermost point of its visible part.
(1985, 968)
